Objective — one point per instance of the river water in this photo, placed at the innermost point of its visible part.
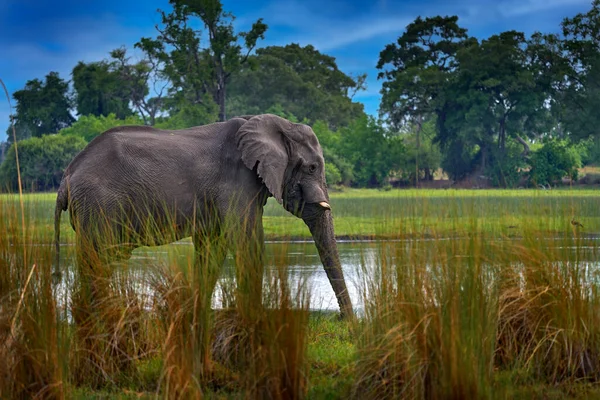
(302, 264)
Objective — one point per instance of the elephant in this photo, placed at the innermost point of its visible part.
(192, 180)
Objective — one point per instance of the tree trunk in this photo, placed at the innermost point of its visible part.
(221, 97)
(522, 141)
(483, 158)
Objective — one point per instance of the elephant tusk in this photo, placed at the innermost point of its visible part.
(325, 204)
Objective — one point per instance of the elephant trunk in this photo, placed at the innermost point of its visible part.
(320, 223)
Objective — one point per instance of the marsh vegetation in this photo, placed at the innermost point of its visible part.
(460, 294)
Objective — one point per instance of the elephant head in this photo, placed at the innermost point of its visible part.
(289, 160)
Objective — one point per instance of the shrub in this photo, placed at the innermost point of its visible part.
(42, 160)
(555, 160)
(90, 126)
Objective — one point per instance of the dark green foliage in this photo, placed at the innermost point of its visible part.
(300, 80)
(555, 160)
(42, 108)
(417, 66)
(459, 160)
(487, 96)
(579, 99)
(506, 169)
(590, 151)
(42, 162)
(100, 91)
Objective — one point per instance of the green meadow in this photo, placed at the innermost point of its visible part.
(487, 294)
(392, 214)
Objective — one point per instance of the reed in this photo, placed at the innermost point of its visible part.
(30, 335)
(448, 322)
(501, 299)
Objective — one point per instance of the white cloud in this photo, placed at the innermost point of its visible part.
(520, 7)
(73, 40)
(328, 33)
(82, 39)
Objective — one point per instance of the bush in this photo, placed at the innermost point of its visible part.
(555, 160)
(339, 170)
(42, 160)
(90, 126)
(190, 115)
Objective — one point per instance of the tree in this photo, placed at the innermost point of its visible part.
(145, 86)
(194, 70)
(371, 150)
(579, 100)
(422, 156)
(42, 161)
(42, 108)
(418, 73)
(99, 90)
(495, 96)
(418, 67)
(483, 94)
(300, 80)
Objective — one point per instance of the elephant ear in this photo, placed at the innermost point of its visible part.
(262, 143)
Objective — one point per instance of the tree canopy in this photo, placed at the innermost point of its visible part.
(489, 96)
(42, 107)
(198, 72)
(301, 80)
(498, 108)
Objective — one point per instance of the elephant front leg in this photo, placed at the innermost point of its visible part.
(210, 253)
(249, 262)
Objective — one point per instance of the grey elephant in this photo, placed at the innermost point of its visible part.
(192, 180)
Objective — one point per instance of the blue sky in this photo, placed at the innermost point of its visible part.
(37, 37)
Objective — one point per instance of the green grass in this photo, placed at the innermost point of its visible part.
(375, 214)
(494, 294)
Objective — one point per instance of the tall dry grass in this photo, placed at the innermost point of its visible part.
(430, 323)
(444, 317)
(255, 345)
(30, 335)
(446, 322)
(94, 328)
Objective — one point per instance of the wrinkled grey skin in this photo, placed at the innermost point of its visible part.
(199, 177)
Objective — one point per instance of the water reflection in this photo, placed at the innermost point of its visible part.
(360, 262)
(303, 266)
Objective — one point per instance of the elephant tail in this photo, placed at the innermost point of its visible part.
(62, 201)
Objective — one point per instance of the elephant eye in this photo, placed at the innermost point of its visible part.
(312, 168)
